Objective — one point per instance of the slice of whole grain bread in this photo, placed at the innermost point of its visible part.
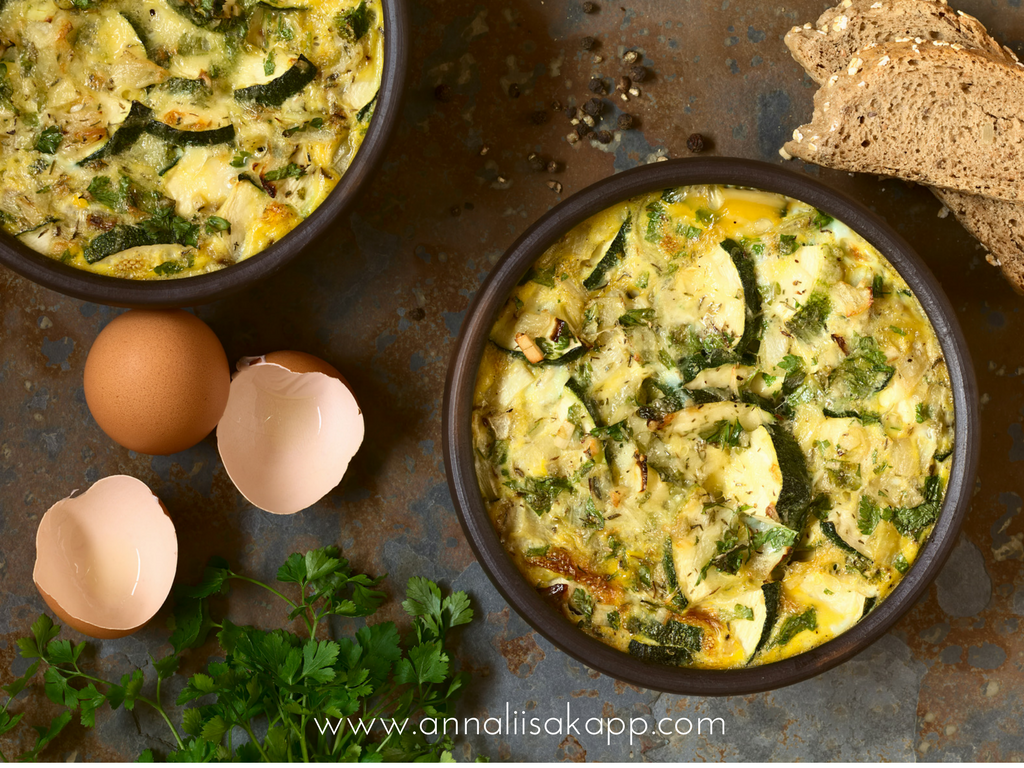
(853, 25)
(998, 225)
(935, 113)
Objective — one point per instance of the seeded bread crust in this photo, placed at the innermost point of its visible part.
(853, 25)
(934, 113)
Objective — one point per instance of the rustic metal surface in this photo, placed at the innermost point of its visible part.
(382, 297)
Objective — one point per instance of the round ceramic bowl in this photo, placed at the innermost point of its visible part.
(190, 291)
(458, 406)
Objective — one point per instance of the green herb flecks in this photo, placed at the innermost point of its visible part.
(794, 625)
(49, 140)
(355, 24)
(809, 321)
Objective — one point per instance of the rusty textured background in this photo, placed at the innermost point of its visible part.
(382, 298)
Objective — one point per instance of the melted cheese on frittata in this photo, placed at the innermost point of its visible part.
(163, 138)
(714, 426)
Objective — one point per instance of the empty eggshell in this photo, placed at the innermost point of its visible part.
(105, 560)
(290, 429)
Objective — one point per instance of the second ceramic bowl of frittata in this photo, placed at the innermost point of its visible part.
(190, 151)
(711, 427)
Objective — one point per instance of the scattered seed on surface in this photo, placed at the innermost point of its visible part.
(555, 186)
(589, 120)
(624, 97)
(598, 59)
(638, 73)
(623, 84)
(556, 106)
(513, 90)
(554, 166)
(572, 138)
(417, 313)
(536, 162)
(596, 85)
(589, 7)
(625, 121)
(631, 57)
(634, 91)
(605, 137)
(539, 117)
(501, 180)
(455, 210)
(570, 112)
(661, 159)
(443, 93)
(594, 107)
(588, 43)
(484, 150)
(695, 143)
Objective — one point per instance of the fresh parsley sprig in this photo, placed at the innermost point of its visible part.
(278, 696)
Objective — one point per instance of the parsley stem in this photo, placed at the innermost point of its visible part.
(254, 741)
(261, 584)
(155, 705)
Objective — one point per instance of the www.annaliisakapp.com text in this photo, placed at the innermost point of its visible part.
(516, 723)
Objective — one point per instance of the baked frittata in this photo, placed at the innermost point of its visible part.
(163, 138)
(714, 426)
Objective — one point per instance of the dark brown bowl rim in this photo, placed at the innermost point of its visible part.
(190, 291)
(457, 433)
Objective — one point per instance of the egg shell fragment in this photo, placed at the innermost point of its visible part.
(106, 559)
(287, 437)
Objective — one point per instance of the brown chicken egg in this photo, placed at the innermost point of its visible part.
(290, 429)
(156, 381)
(106, 559)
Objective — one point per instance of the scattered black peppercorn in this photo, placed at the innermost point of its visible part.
(596, 85)
(513, 90)
(638, 73)
(625, 121)
(582, 130)
(589, 7)
(588, 43)
(695, 143)
(539, 117)
(605, 137)
(570, 113)
(594, 107)
(417, 313)
(554, 166)
(536, 161)
(443, 93)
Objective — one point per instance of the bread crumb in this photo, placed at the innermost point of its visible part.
(785, 155)
(993, 260)
(943, 212)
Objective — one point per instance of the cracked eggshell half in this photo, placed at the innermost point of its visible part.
(290, 429)
(106, 559)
